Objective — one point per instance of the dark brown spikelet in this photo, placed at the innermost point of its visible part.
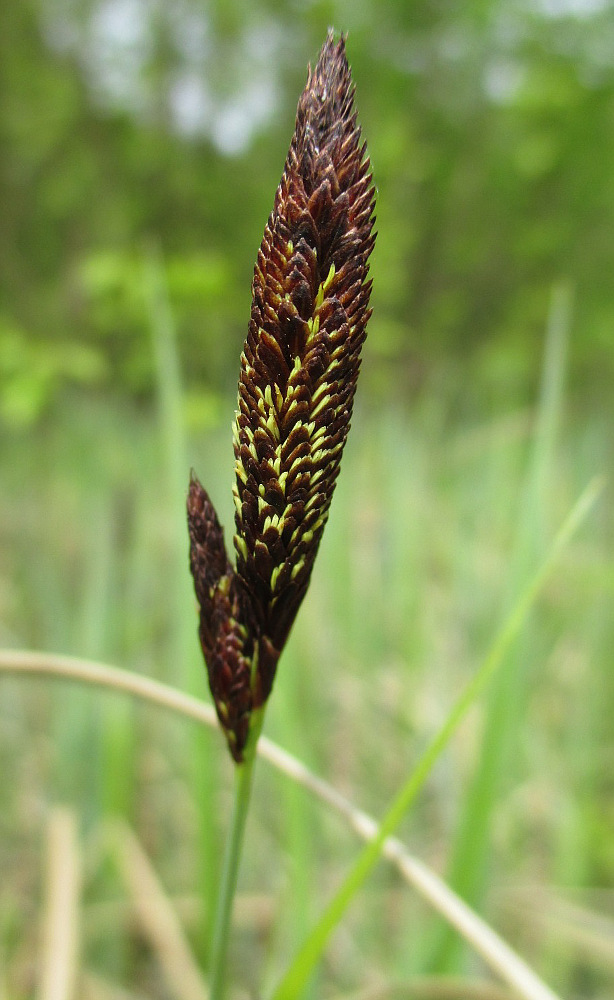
(299, 368)
(225, 639)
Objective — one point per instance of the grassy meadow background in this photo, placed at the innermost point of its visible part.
(141, 147)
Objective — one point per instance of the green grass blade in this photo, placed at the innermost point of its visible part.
(505, 707)
(308, 955)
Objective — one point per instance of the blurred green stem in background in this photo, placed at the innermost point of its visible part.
(507, 698)
(182, 653)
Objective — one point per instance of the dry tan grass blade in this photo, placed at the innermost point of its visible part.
(157, 916)
(97, 988)
(60, 955)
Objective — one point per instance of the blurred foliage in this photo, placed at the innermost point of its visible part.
(124, 122)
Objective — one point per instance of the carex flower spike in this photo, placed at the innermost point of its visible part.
(299, 366)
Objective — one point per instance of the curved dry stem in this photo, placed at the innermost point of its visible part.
(103, 675)
(494, 951)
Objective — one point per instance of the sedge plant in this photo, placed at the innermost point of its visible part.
(299, 367)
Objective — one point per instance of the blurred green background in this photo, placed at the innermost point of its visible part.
(141, 143)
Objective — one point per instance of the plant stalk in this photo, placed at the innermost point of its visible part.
(232, 859)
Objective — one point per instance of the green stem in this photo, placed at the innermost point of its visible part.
(232, 857)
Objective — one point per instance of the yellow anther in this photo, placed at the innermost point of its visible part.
(241, 546)
(320, 406)
(275, 576)
(272, 426)
(322, 290)
(297, 568)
